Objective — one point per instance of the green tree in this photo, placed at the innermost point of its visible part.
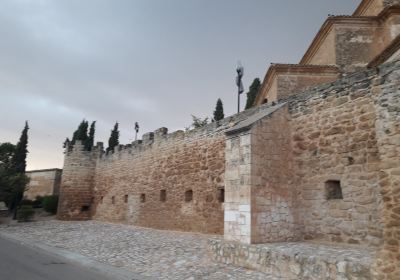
(81, 133)
(113, 141)
(90, 139)
(7, 151)
(219, 110)
(253, 92)
(13, 178)
(21, 150)
(198, 122)
(12, 183)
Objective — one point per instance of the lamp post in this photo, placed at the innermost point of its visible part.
(136, 129)
(239, 83)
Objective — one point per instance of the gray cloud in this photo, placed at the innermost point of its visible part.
(152, 61)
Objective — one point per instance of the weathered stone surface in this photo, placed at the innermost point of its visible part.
(297, 261)
(43, 182)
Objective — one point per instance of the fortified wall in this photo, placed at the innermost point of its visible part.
(166, 180)
(314, 167)
(323, 167)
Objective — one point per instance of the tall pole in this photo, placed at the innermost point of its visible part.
(239, 83)
(136, 129)
(238, 101)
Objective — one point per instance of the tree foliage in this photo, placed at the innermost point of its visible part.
(12, 171)
(113, 141)
(198, 122)
(83, 134)
(253, 92)
(90, 139)
(21, 150)
(219, 111)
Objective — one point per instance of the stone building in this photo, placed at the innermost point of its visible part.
(43, 182)
(314, 165)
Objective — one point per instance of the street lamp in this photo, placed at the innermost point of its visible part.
(239, 83)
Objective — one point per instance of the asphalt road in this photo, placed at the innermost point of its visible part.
(19, 262)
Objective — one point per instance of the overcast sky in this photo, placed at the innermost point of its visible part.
(152, 61)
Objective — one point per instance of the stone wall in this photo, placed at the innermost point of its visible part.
(76, 191)
(334, 140)
(326, 170)
(259, 204)
(387, 104)
(168, 181)
(298, 260)
(290, 84)
(274, 216)
(175, 182)
(43, 182)
(357, 44)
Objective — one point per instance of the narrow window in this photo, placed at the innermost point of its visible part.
(142, 198)
(163, 195)
(221, 195)
(113, 199)
(126, 198)
(188, 196)
(101, 199)
(333, 190)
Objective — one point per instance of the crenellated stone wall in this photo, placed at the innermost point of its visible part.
(166, 180)
(149, 184)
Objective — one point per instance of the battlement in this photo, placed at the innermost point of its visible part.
(161, 138)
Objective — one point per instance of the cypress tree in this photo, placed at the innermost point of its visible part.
(219, 111)
(19, 180)
(113, 141)
(81, 133)
(253, 92)
(90, 139)
(21, 151)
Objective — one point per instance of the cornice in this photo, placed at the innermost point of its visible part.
(364, 5)
(279, 68)
(386, 53)
(328, 26)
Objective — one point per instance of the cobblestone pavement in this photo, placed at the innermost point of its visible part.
(155, 253)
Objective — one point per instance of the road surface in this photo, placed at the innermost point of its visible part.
(19, 262)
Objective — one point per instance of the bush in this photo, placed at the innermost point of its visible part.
(26, 202)
(50, 203)
(38, 202)
(25, 213)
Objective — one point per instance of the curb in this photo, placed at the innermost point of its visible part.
(90, 264)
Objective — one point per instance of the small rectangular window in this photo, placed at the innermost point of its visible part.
(113, 199)
(126, 198)
(221, 195)
(163, 195)
(85, 208)
(333, 190)
(101, 199)
(142, 198)
(188, 196)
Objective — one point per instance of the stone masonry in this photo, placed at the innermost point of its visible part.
(310, 168)
(43, 182)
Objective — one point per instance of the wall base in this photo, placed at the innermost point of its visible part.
(299, 260)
